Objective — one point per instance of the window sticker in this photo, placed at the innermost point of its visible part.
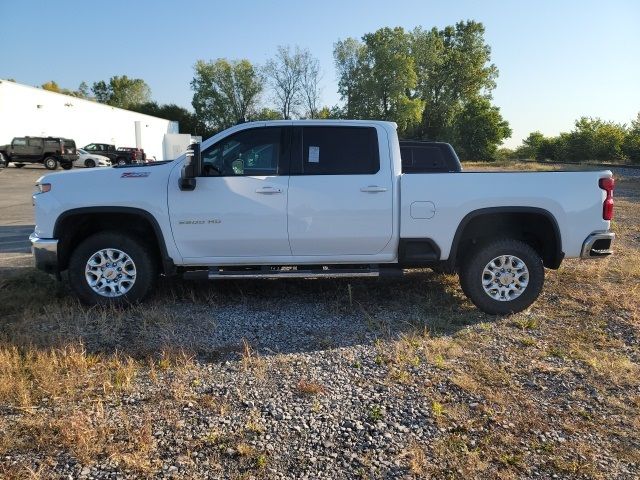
(314, 154)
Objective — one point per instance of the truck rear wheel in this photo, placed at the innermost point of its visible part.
(121, 161)
(505, 276)
(50, 163)
(110, 268)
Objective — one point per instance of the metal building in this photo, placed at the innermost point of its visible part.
(30, 111)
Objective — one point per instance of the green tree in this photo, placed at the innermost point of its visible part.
(51, 86)
(452, 66)
(83, 90)
(377, 78)
(226, 92)
(479, 129)
(347, 56)
(631, 144)
(122, 91)
(267, 114)
(531, 145)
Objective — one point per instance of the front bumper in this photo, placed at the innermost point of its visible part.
(45, 253)
(598, 244)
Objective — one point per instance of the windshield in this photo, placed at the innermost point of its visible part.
(83, 152)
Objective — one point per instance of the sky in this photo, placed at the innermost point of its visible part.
(558, 60)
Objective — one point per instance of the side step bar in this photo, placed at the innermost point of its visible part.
(222, 274)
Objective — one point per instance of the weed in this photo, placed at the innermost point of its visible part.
(376, 412)
(437, 409)
(307, 387)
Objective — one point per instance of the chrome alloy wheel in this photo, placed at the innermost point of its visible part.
(110, 272)
(505, 278)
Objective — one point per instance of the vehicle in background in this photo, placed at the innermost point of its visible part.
(136, 153)
(90, 160)
(318, 199)
(117, 156)
(49, 151)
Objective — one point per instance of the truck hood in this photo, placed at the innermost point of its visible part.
(81, 179)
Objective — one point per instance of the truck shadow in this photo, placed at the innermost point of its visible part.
(219, 321)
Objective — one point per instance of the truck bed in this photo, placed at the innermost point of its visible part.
(434, 205)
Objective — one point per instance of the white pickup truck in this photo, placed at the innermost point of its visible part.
(317, 199)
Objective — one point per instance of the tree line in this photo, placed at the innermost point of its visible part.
(591, 139)
(436, 84)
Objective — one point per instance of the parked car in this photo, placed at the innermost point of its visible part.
(91, 160)
(116, 155)
(318, 199)
(49, 151)
(136, 153)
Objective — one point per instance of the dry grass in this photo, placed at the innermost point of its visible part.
(554, 389)
(308, 387)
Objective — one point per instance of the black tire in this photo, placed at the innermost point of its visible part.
(145, 266)
(18, 165)
(89, 163)
(471, 276)
(50, 163)
(121, 161)
(66, 166)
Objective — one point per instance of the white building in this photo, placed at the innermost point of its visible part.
(29, 111)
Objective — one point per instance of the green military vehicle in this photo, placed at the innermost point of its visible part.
(49, 151)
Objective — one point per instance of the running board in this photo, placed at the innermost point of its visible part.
(220, 274)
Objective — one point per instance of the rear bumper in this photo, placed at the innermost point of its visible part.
(45, 253)
(598, 244)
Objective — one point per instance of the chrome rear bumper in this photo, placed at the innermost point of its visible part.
(45, 253)
(598, 244)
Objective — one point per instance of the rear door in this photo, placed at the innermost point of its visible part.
(340, 197)
(34, 148)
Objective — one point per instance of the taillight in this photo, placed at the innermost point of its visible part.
(607, 184)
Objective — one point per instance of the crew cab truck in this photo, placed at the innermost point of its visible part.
(317, 199)
(49, 151)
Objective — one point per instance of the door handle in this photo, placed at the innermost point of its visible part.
(373, 189)
(268, 190)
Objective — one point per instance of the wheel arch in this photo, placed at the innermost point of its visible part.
(530, 224)
(74, 225)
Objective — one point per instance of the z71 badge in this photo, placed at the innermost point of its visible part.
(135, 174)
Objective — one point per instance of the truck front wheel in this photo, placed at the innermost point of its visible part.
(110, 268)
(504, 276)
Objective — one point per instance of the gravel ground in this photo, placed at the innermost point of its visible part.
(398, 378)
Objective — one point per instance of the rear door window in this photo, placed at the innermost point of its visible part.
(35, 142)
(340, 151)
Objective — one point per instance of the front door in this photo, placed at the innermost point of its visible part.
(340, 193)
(239, 206)
(19, 149)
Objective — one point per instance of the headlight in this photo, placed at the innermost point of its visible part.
(43, 187)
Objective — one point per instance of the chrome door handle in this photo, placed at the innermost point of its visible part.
(269, 190)
(373, 189)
